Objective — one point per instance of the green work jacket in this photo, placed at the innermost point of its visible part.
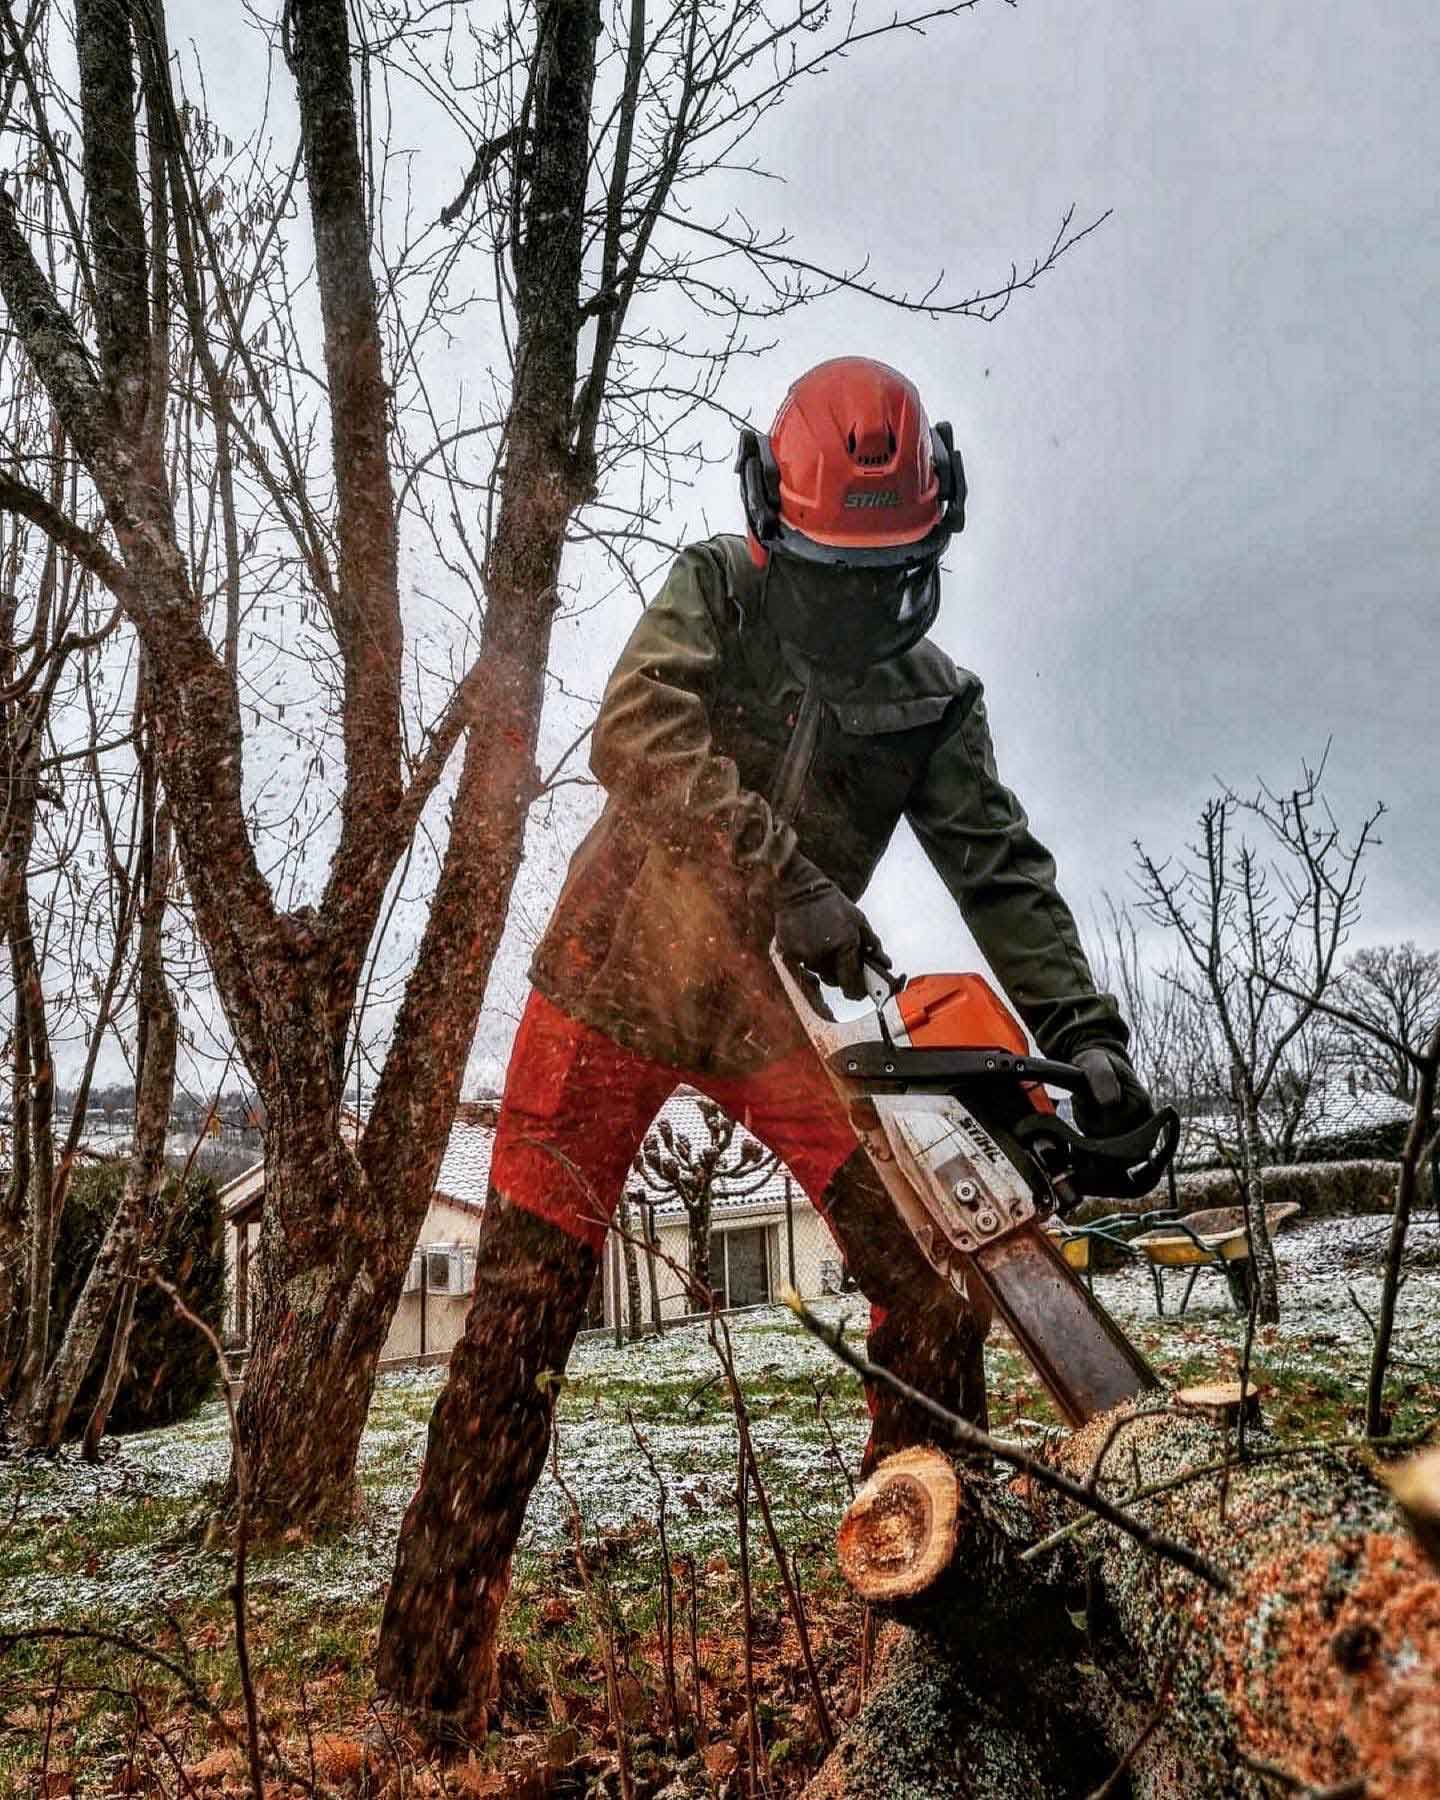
(660, 934)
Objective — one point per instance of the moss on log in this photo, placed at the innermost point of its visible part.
(943, 1725)
(1320, 1668)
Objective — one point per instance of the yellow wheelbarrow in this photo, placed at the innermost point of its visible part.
(1216, 1238)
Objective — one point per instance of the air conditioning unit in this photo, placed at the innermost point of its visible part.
(447, 1269)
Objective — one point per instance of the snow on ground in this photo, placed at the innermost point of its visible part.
(135, 1513)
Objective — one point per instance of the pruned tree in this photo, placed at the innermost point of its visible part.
(336, 448)
(1260, 930)
(1393, 991)
(673, 1166)
(1168, 1031)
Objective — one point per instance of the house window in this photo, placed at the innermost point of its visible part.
(744, 1265)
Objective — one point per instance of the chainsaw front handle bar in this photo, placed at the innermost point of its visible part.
(1117, 1168)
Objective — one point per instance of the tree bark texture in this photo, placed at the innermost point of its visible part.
(702, 1240)
(486, 1448)
(652, 1264)
(624, 1218)
(1042, 1676)
(42, 1220)
(116, 1364)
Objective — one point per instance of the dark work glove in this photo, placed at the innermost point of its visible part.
(817, 927)
(1114, 1099)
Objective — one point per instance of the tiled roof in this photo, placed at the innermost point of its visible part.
(464, 1175)
(465, 1168)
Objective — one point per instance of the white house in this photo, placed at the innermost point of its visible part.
(761, 1240)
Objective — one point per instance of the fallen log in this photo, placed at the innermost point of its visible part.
(1048, 1653)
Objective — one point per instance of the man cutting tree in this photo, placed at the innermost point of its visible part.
(776, 712)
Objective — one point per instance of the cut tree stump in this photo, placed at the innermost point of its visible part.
(1015, 1676)
(1221, 1402)
(898, 1534)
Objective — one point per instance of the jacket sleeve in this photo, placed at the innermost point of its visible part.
(975, 832)
(652, 748)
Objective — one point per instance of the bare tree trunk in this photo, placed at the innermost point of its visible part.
(331, 1275)
(1418, 1139)
(652, 1265)
(40, 1248)
(698, 1213)
(47, 1411)
(334, 1272)
(624, 1217)
(12, 1218)
(1263, 1269)
(115, 1366)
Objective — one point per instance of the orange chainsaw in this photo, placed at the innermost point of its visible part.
(954, 1114)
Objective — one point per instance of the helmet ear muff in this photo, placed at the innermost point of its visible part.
(759, 485)
(950, 471)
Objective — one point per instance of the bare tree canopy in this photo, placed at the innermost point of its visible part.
(1260, 929)
(1395, 990)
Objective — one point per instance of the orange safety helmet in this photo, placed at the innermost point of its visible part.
(852, 473)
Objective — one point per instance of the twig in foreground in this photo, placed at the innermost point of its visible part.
(961, 1431)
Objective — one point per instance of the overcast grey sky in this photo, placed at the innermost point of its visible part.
(1203, 525)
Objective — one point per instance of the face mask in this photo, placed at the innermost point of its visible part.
(846, 619)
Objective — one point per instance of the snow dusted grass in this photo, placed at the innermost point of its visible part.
(114, 1543)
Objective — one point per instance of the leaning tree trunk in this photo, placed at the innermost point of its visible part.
(1419, 1137)
(1040, 1671)
(116, 1363)
(52, 1400)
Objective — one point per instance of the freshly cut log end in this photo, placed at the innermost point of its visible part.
(1221, 1402)
(1415, 1484)
(898, 1534)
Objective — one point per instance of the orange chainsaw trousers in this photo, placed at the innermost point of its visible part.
(577, 1106)
(576, 1109)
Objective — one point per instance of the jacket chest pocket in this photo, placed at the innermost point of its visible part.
(869, 758)
(883, 745)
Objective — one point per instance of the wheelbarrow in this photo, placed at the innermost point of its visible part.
(1216, 1238)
